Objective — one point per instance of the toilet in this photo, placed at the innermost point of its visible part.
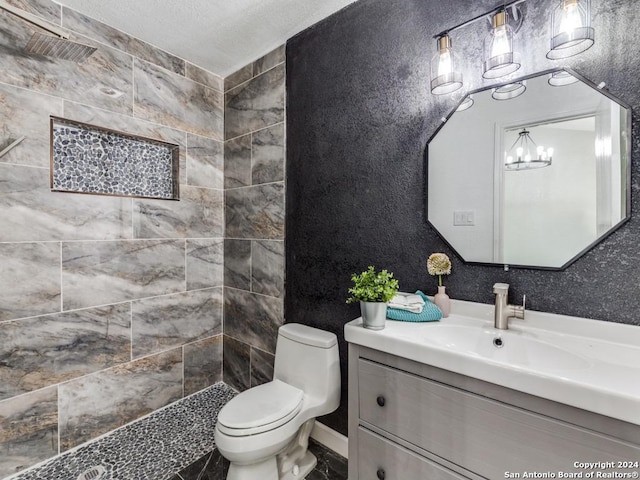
(264, 431)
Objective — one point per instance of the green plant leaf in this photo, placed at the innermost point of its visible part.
(372, 286)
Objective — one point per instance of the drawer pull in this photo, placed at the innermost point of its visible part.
(380, 474)
(381, 402)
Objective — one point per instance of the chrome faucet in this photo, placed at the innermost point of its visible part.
(503, 311)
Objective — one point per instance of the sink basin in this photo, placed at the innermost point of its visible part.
(585, 363)
(511, 347)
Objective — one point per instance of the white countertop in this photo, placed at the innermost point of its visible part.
(589, 364)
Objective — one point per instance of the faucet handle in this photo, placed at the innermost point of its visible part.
(501, 288)
(518, 310)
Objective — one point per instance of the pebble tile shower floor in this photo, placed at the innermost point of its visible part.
(152, 448)
(178, 438)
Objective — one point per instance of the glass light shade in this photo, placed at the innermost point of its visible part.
(571, 31)
(466, 104)
(445, 76)
(509, 91)
(499, 57)
(524, 154)
(561, 78)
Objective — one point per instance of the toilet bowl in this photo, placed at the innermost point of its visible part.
(264, 431)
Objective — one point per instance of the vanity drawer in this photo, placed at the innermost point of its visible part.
(379, 457)
(480, 435)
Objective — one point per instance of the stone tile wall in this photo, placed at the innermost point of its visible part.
(111, 308)
(254, 217)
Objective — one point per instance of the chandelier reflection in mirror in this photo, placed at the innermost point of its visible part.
(525, 154)
(571, 34)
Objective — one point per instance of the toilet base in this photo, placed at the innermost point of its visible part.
(304, 468)
(294, 462)
(266, 470)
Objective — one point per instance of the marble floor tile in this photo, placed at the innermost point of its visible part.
(130, 125)
(205, 263)
(214, 466)
(198, 214)
(330, 466)
(211, 466)
(100, 402)
(28, 430)
(169, 321)
(237, 162)
(237, 264)
(103, 33)
(267, 267)
(255, 212)
(29, 279)
(267, 155)
(261, 367)
(178, 102)
(255, 104)
(204, 77)
(202, 364)
(105, 70)
(40, 351)
(29, 211)
(101, 273)
(26, 113)
(205, 162)
(253, 318)
(236, 363)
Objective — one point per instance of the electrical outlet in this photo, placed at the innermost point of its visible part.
(464, 218)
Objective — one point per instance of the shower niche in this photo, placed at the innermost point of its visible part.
(95, 160)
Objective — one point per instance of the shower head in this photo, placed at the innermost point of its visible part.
(50, 46)
(58, 46)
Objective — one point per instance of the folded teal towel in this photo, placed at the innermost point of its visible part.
(430, 312)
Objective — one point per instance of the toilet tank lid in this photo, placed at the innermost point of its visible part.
(308, 335)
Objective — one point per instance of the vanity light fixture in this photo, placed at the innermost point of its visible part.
(466, 104)
(524, 154)
(445, 77)
(561, 78)
(500, 59)
(509, 91)
(571, 31)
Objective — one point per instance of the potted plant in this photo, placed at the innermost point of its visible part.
(373, 290)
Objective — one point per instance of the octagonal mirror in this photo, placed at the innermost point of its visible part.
(533, 173)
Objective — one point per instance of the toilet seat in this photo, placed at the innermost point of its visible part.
(260, 409)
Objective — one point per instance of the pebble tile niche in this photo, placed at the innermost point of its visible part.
(155, 447)
(95, 160)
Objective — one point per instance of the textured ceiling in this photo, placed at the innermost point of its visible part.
(218, 35)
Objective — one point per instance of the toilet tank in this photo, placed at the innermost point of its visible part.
(308, 359)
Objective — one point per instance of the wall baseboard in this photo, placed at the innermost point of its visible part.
(331, 439)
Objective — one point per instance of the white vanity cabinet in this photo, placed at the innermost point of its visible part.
(412, 421)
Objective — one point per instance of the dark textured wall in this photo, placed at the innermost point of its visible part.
(359, 115)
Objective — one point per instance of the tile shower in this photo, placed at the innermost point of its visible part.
(254, 212)
(110, 307)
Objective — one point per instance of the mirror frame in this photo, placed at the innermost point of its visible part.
(627, 132)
